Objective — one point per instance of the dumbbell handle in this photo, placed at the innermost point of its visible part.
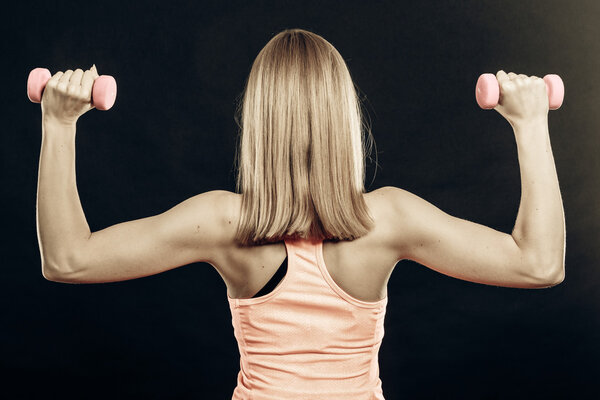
(487, 91)
(104, 90)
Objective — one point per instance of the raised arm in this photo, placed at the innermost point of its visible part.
(533, 255)
(193, 231)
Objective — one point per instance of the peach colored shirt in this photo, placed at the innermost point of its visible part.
(308, 339)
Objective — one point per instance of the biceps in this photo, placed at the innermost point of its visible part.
(465, 250)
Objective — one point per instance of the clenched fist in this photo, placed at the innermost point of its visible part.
(68, 95)
(522, 98)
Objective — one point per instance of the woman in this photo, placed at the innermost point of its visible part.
(304, 252)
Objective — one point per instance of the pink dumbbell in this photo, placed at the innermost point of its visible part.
(104, 90)
(487, 91)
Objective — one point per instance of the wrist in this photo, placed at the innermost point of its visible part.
(530, 124)
(531, 133)
(51, 122)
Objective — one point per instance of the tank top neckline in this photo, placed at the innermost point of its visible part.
(317, 244)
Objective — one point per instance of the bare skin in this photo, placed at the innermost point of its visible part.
(200, 229)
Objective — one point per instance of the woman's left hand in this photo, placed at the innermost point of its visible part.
(68, 95)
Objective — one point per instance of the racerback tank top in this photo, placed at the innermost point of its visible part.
(307, 338)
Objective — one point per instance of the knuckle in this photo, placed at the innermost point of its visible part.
(533, 82)
(72, 89)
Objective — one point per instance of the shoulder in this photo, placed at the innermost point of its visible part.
(210, 217)
(228, 206)
(413, 221)
(397, 201)
(224, 206)
(407, 209)
(385, 201)
(215, 204)
(395, 211)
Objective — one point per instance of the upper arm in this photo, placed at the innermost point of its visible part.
(457, 247)
(192, 231)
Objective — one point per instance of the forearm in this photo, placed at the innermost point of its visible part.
(540, 225)
(61, 222)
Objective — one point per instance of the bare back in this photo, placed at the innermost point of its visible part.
(361, 267)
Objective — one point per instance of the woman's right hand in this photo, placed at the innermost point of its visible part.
(523, 98)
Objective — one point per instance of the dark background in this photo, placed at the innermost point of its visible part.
(180, 67)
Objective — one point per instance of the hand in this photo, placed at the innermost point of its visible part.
(67, 96)
(522, 98)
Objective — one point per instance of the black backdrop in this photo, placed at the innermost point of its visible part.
(179, 67)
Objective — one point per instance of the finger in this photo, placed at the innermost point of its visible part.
(87, 82)
(54, 80)
(523, 76)
(537, 79)
(95, 72)
(501, 76)
(66, 76)
(76, 77)
(512, 75)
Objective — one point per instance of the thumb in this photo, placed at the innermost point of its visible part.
(94, 71)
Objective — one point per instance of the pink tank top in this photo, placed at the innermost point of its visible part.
(308, 339)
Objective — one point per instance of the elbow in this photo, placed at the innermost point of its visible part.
(55, 273)
(552, 275)
(50, 272)
(559, 276)
(47, 274)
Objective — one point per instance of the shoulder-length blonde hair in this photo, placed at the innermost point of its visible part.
(301, 151)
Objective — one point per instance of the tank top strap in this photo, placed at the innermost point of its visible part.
(304, 248)
(309, 270)
(304, 271)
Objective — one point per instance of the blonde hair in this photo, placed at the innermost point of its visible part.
(301, 149)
